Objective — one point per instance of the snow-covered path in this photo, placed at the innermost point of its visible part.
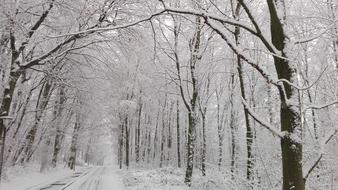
(95, 178)
(99, 178)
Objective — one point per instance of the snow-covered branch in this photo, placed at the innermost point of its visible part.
(109, 28)
(302, 88)
(240, 51)
(321, 106)
(257, 32)
(320, 156)
(309, 39)
(261, 121)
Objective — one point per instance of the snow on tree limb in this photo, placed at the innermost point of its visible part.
(320, 156)
(105, 29)
(261, 121)
(321, 106)
(302, 88)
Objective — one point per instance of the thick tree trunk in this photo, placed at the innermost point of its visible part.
(41, 106)
(192, 113)
(59, 131)
(190, 147)
(4, 113)
(45, 155)
(73, 146)
(290, 118)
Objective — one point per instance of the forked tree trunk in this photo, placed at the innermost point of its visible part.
(192, 112)
(249, 131)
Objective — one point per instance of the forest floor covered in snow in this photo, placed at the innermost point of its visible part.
(173, 179)
(83, 178)
(29, 176)
(107, 177)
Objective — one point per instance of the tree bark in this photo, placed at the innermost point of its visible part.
(73, 146)
(290, 118)
(126, 140)
(59, 131)
(137, 135)
(249, 131)
(192, 112)
(178, 138)
(233, 127)
(43, 100)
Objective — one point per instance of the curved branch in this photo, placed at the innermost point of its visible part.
(265, 124)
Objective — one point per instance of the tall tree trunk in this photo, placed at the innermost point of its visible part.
(332, 7)
(126, 140)
(178, 138)
(120, 142)
(249, 131)
(148, 146)
(220, 132)
(203, 111)
(204, 144)
(233, 127)
(73, 146)
(45, 155)
(290, 118)
(43, 99)
(192, 113)
(4, 112)
(162, 138)
(137, 135)
(59, 131)
(156, 135)
(169, 143)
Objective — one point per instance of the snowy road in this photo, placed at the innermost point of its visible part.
(97, 178)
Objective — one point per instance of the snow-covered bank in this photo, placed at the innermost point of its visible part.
(173, 179)
(24, 177)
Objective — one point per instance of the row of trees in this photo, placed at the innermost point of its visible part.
(46, 64)
(176, 82)
(214, 58)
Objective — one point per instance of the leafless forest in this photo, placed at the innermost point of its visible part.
(170, 94)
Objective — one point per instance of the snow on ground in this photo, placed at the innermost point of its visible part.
(100, 178)
(111, 178)
(173, 179)
(24, 177)
(29, 178)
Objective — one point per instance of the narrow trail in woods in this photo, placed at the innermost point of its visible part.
(95, 178)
